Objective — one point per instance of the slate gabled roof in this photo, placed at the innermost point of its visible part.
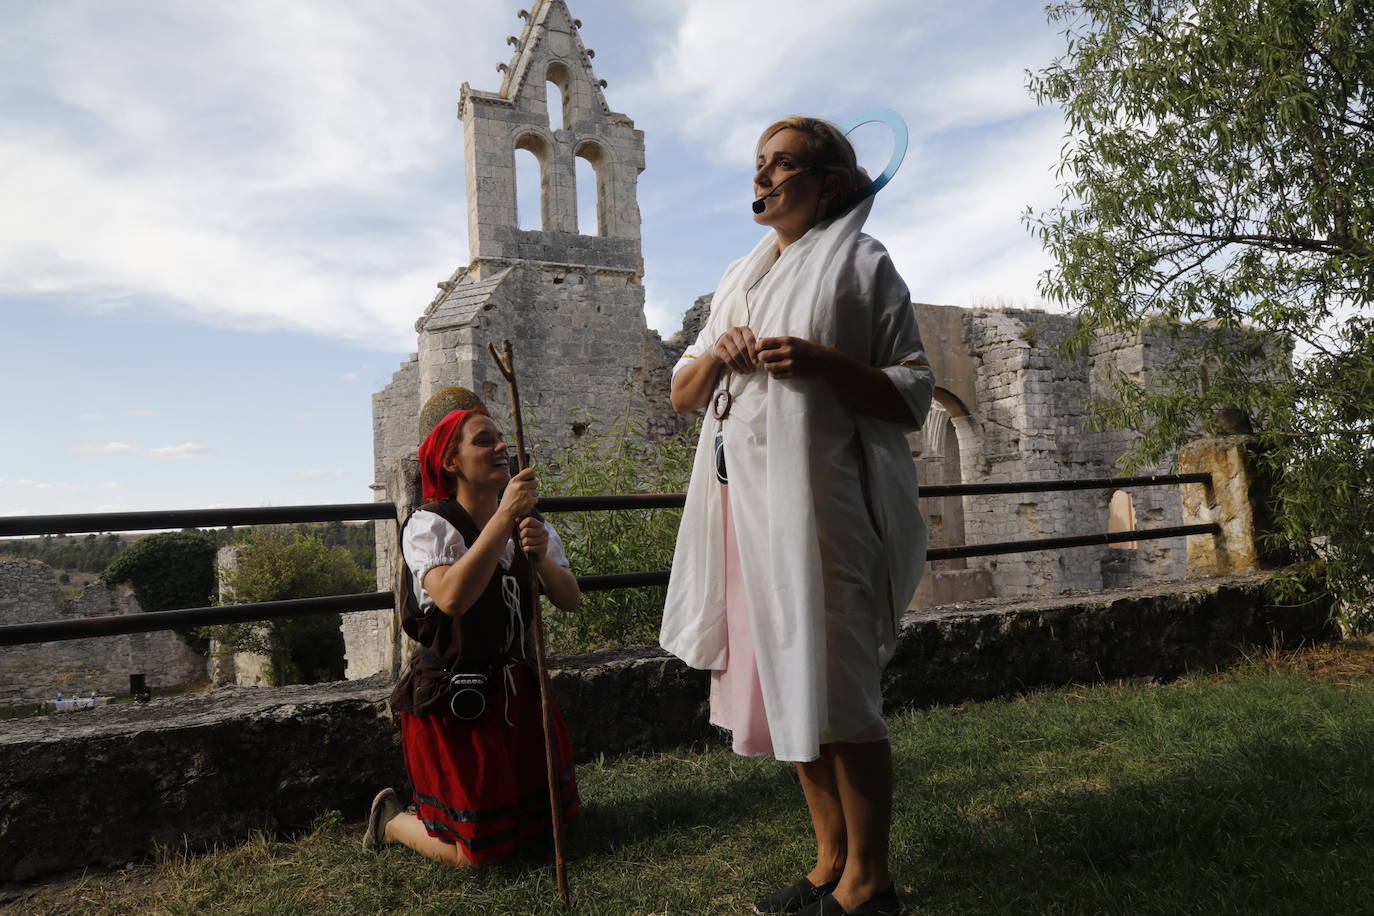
(464, 302)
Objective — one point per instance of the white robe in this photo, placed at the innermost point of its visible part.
(799, 463)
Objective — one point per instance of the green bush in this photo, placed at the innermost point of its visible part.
(167, 571)
(615, 457)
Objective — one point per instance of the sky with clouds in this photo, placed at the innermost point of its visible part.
(220, 221)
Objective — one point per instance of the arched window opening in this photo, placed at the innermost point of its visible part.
(588, 198)
(558, 111)
(1121, 517)
(953, 505)
(529, 179)
(558, 96)
(593, 211)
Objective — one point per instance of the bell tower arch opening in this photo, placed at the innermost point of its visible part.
(593, 214)
(531, 182)
(557, 83)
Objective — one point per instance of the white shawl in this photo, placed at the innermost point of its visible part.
(834, 286)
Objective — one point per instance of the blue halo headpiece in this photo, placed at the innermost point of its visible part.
(899, 139)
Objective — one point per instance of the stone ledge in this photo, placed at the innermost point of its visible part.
(106, 786)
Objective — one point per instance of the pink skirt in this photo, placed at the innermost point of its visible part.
(736, 696)
(853, 674)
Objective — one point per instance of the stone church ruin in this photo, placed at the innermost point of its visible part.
(1008, 406)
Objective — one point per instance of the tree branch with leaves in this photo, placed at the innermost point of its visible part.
(1218, 181)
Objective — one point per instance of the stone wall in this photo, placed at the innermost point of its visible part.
(1136, 354)
(29, 592)
(1030, 425)
(393, 415)
(1028, 419)
(580, 342)
(211, 768)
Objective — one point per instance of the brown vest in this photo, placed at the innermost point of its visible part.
(481, 640)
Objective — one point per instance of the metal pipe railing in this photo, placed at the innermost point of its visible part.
(56, 630)
(84, 523)
(257, 612)
(1078, 540)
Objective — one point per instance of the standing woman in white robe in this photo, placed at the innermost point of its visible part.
(788, 581)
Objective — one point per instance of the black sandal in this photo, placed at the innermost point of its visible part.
(794, 897)
(883, 903)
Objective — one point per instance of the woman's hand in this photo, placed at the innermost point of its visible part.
(521, 494)
(794, 357)
(738, 350)
(534, 538)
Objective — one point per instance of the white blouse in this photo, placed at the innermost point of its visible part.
(429, 541)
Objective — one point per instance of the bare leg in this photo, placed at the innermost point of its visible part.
(823, 799)
(863, 778)
(408, 830)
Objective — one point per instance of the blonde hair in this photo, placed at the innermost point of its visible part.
(828, 151)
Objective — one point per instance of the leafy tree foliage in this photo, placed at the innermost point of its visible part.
(357, 537)
(275, 564)
(616, 456)
(1219, 171)
(167, 571)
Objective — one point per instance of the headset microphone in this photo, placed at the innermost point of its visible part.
(759, 205)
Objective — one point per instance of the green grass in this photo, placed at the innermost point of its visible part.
(1251, 791)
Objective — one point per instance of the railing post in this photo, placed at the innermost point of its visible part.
(1231, 501)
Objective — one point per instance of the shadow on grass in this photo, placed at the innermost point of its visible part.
(1269, 828)
(699, 793)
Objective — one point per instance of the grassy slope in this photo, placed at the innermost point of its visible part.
(1250, 791)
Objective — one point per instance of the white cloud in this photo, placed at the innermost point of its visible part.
(90, 416)
(962, 240)
(91, 449)
(349, 376)
(725, 66)
(299, 170)
(180, 452)
(141, 412)
(315, 475)
(62, 485)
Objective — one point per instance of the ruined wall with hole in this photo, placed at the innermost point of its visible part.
(29, 592)
(1030, 422)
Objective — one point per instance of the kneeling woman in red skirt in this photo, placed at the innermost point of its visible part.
(475, 755)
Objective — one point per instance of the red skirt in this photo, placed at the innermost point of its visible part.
(483, 784)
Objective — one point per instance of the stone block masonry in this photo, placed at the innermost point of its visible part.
(211, 768)
(29, 592)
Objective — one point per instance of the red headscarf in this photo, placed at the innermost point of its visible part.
(435, 482)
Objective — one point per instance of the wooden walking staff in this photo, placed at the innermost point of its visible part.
(506, 364)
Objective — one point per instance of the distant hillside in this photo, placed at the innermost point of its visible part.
(91, 553)
(88, 553)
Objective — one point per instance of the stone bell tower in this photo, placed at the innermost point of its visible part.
(518, 117)
(569, 297)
